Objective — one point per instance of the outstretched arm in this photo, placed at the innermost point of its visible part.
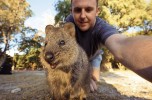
(134, 52)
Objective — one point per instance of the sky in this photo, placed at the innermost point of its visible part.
(43, 13)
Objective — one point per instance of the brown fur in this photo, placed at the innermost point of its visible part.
(68, 69)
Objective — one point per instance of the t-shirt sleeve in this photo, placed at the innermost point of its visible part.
(104, 30)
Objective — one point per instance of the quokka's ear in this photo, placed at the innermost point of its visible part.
(48, 28)
(69, 28)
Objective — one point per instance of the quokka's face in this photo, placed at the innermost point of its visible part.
(60, 46)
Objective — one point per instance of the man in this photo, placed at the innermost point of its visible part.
(92, 32)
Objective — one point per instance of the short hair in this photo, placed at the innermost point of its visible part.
(96, 1)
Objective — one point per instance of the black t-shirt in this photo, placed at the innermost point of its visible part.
(92, 39)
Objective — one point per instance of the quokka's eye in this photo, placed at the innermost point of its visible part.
(61, 43)
(45, 44)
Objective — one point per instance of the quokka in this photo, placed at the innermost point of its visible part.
(67, 68)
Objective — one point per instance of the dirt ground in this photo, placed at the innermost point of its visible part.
(115, 85)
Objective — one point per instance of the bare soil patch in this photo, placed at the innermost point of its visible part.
(115, 85)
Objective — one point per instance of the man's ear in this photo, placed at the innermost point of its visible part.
(98, 11)
(48, 28)
(69, 28)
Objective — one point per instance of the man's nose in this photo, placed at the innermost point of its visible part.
(83, 14)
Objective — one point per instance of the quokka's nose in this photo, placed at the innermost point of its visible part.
(49, 56)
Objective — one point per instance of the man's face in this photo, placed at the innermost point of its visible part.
(84, 13)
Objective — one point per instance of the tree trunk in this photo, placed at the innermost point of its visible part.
(2, 59)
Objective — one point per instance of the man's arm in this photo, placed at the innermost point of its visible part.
(134, 52)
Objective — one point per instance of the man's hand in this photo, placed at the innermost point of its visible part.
(93, 85)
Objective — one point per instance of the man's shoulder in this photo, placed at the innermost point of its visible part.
(103, 25)
(101, 22)
(103, 29)
(69, 18)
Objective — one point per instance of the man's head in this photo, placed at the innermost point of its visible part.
(96, 2)
(84, 13)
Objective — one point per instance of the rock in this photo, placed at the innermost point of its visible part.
(16, 90)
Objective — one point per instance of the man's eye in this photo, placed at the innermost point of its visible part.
(89, 9)
(61, 43)
(77, 10)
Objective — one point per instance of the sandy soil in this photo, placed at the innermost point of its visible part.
(115, 85)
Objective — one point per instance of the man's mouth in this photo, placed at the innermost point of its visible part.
(83, 23)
